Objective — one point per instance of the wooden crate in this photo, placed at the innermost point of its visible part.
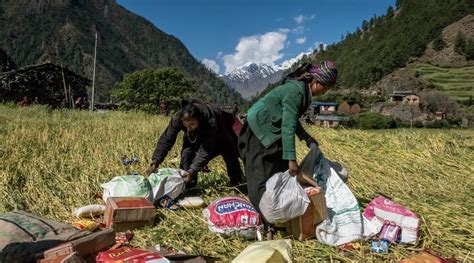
(128, 213)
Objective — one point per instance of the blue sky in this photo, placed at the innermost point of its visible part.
(225, 34)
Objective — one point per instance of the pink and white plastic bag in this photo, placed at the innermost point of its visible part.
(233, 216)
(381, 209)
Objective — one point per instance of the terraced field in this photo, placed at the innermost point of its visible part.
(457, 82)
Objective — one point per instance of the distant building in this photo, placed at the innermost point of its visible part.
(324, 107)
(323, 114)
(329, 121)
(51, 84)
(405, 97)
(439, 115)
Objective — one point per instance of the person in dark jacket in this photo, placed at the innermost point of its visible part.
(207, 134)
(267, 139)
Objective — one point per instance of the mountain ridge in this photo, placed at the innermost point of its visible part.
(251, 78)
(62, 32)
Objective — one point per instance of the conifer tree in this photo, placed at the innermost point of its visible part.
(438, 43)
(460, 43)
(469, 49)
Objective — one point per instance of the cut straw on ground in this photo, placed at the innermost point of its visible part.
(53, 161)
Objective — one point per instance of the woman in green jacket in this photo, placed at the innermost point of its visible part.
(267, 140)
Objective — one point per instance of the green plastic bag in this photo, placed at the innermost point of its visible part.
(128, 186)
(166, 181)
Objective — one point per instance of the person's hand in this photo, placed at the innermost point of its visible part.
(311, 143)
(151, 169)
(186, 176)
(293, 168)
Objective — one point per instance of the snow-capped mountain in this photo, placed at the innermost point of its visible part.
(251, 78)
(251, 70)
(288, 63)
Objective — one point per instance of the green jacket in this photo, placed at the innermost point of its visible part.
(276, 115)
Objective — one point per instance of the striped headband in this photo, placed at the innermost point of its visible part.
(325, 73)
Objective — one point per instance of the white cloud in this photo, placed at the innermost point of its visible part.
(301, 40)
(219, 54)
(264, 48)
(298, 30)
(299, 19)
(211, 64)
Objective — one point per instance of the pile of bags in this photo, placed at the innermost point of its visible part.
(166, 182)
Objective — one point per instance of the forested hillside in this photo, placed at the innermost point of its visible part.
(63, 32)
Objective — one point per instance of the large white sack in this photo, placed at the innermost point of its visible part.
(167, 181)
(344, 223)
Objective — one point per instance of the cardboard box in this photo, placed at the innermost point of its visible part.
(304, 226)
(86, 247)
(128, 213)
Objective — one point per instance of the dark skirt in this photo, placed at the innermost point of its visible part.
(225, 148)
(260, 163)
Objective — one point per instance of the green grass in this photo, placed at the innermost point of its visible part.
(457, 82)
(52, 161)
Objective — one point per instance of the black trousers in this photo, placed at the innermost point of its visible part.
(260, 163)
(228, 151)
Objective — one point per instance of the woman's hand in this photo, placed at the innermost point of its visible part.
(186, 176)
(293, 168)
(151, 169)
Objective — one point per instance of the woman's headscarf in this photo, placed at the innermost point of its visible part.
(325, 73)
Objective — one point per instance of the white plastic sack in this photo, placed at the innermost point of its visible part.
(167, 181)
(283, 199)
(127, 186)
(344, 223)
(89, 211)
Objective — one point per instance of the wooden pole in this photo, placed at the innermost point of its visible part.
(93, 73)
(64, 83)
(73, 106)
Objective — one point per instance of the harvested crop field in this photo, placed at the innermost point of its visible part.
(52, 161)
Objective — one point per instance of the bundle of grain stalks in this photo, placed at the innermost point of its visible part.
(52, 161)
